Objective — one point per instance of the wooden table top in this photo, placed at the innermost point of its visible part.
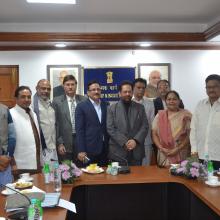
(150, 174)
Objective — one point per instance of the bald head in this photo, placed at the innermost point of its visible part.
(63, 73)
(154, 78)
(43, 89)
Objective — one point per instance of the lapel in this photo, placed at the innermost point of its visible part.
(94, 111)
(160, 103)
(123, 115)
(65, 108)
(132, 113)
(78, 99)
(103, 108)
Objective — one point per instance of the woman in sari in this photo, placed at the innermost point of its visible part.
(170, 131)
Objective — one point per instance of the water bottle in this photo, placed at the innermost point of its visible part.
(210, 169)
(205, 165)
(46, 172)
(57, 178)
(35, 211)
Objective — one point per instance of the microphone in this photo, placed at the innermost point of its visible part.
(19, 214)
(122, 169)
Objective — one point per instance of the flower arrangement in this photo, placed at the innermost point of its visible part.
(190, 168)
(69, 171)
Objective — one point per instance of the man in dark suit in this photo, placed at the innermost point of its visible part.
(127, 126)
(163, 87)
(91, 134)
(65, 106)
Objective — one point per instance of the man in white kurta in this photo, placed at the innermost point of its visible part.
(25, 151)
(46, 119)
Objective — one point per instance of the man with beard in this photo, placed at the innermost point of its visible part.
(151, 89)
(127, 126)
(46, 119)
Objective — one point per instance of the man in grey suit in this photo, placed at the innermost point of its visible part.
(127, 126)
(65, 106)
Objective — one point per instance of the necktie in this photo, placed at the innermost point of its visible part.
(36, 138)
(73, 110)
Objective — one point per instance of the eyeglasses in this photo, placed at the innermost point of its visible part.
(212, 87)
(94, 90)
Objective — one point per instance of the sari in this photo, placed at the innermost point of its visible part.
(173, 129)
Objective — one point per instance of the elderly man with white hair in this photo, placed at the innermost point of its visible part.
(151, 89)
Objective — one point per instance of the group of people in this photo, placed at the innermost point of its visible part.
(86, 129)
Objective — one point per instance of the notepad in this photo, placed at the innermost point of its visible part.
(51, 200)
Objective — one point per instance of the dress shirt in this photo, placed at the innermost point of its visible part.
(149, 109)
(69, 101)
(97, 109)
(164, 104)
(205, 130)
(47, 123)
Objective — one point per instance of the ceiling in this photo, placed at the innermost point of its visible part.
(108, 16)
(187, 11)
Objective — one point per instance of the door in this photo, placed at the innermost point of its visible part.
(8, 84)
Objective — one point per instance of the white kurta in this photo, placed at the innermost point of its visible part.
(25, 150)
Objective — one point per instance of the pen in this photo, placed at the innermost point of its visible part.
(87, 158)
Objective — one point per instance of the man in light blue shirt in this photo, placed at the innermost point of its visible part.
(91, 134)
(7, 145)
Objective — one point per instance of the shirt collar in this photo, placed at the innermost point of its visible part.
(22, 109)
(208, 102)
(69, 99)
(93, 102)
(138, 101)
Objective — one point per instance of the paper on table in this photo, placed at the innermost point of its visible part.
(67, 205)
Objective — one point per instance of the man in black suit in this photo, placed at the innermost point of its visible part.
(91, 133)
(127, 127)
(163, 86)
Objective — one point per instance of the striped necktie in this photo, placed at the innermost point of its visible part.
(73, 110)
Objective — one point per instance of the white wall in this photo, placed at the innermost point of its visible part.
(188, 68)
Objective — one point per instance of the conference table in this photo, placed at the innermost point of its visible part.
(146, 193)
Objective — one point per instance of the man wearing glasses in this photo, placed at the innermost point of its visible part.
(91, 134)
(205, 124)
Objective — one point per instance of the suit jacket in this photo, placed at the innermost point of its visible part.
(63, 121)
(158, 104)
(121, 130)
(58, 91)
(91, 135)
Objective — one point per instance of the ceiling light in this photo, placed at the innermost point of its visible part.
(53, 1)
(145, 44)
(60, 45)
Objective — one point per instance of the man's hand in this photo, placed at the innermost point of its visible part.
(131, 144)
(81, 156)
(61, 149)
(4, 162)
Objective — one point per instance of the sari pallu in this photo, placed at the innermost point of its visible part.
(172, 130)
